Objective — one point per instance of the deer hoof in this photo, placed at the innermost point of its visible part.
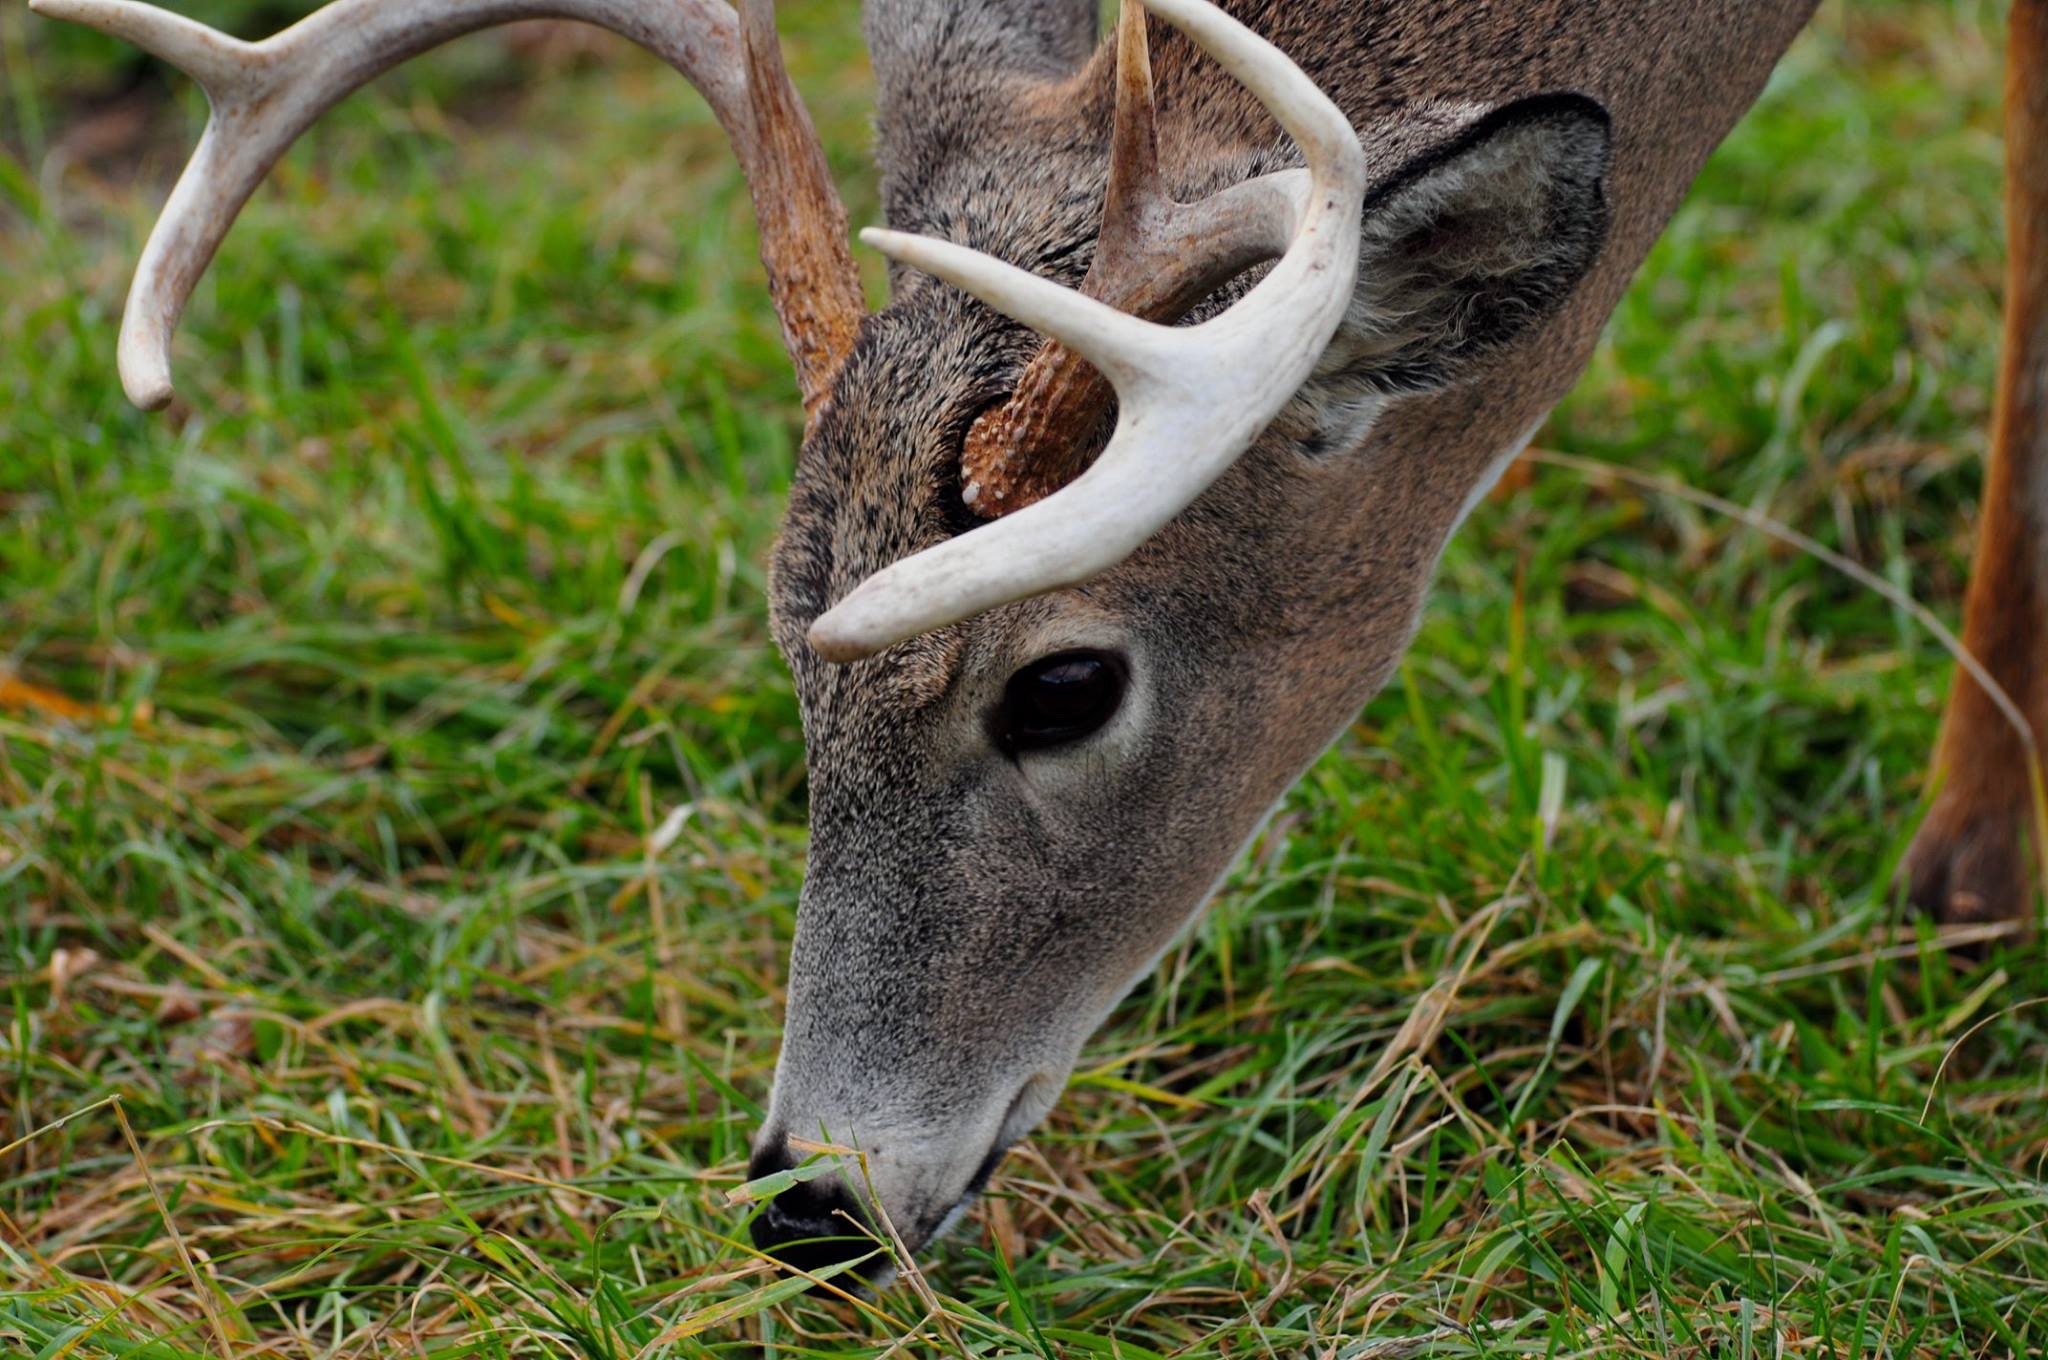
(1969, 868)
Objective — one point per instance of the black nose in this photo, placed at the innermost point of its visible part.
(814, 1223)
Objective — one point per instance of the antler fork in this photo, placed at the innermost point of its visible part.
(1192, 398)
(1155, 258)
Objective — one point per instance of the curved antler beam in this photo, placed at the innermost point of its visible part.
(264, 95)
(1192, 399)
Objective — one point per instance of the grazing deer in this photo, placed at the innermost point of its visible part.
(1067, 615)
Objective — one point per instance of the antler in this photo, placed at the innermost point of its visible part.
(263, 95)
(1154, 258)
(1191, 398)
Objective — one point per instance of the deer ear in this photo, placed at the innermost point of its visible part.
(1472, 241)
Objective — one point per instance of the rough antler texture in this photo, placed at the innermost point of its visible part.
(263, 95)
(1154, 259)
(1191, 398)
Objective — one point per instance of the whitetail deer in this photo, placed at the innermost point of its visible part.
(1067, 617)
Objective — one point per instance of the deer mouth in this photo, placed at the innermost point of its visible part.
(1007, 1137)
(934, 1228)
(978, 1182)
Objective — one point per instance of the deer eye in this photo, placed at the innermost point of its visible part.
(1059, 699)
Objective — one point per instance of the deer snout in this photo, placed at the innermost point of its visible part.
(904, 1189)
(843, 1208)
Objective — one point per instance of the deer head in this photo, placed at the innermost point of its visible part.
(1101, 530)
(1068, 615)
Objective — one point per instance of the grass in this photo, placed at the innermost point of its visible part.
(1565, 1009)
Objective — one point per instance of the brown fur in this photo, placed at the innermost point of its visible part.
(1969, 861)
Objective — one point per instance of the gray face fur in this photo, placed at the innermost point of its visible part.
(970, 917)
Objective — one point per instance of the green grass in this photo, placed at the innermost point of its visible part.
(1564, 1010)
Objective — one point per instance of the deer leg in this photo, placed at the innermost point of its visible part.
(1971, 859)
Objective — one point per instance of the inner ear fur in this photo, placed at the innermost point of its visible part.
(1477, 238)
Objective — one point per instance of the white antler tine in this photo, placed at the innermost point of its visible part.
(1310, 117)
(1042, 547)
(209, 56)
(1115, 342)
(143, 354)
(193, 223)
(1303, 297)
(217, 180)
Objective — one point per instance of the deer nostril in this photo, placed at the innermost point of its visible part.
(814, 1223)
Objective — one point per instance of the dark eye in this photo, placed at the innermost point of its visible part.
(1059, 699)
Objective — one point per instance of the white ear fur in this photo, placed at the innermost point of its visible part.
(1473, 240)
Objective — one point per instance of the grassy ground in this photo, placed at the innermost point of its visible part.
(1564, 1010)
